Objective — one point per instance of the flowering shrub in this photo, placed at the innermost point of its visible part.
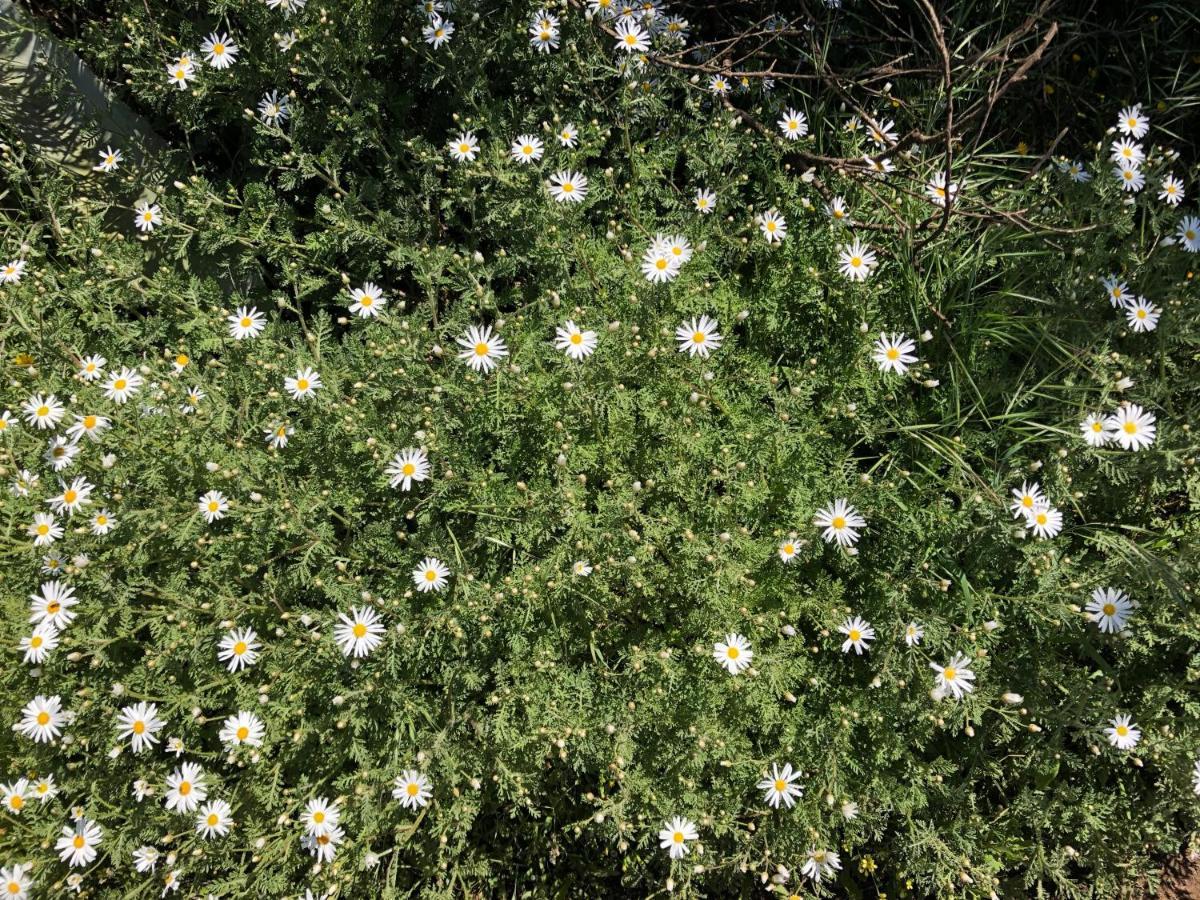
(507, 453)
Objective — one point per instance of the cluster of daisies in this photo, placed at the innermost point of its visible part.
(1131, 165)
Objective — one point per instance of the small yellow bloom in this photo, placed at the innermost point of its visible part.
(23, 359)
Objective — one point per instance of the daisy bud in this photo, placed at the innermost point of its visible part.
(970, 731)
(930, 382)
(991, 625)
(864, 327)
(437, 350)
(1012, 699)
(926, 335)
(1034, 727)
(339, 700)
(789, 630)
(477, 256)
(108, 460)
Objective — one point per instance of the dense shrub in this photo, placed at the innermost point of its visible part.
(606, 526)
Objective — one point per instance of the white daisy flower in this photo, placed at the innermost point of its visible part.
(893, 353)
(788, 549)
(780, 786)
(1132, 427)
(1133, 122)
(38, 645)
(431, 575)
(954, 677)
(407, 466)
(631, 37)
(821, 864)
(1095, 432)
(568, 187)
(110, 160)
(141, 724)
(368, 300)
(273, 108)
(11, 272)
(239, 649)
(1188, 233)
(773, 226)
(304, 384)
(43, 411)
(794, 125)
(675, 834)
(243, 728)
(1127, 152)
(213, 506)
(526, 148)
(733, 654)
(841, 522)
(1026, 498)
(581, 568)
(577, 344)
(1122, 733)
(859, 634)
(77, 846)
(359, 633)
(246, 322)
(856, 261)
(438, 31)
(41, 719)
(1130, 176)
(465, 147)
(214, 819)
(219, 51)
(320, 816)
(73, 496)
(1142, 315)
(146, 216)
(44, 530)
(568, 136)
(698, 337)
(1044, 521)
(413, 789)
(1172, 191)
(1110, 608)
(186, 788)
(913, 633)
(481, 348)
(705, 201)
(53, 605)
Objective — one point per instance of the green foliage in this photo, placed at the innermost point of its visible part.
(561, 719)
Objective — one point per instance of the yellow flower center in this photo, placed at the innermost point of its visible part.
(698, 337)
(855, 634)
(855, 261)
(213, 819)
(35, 641)
(245, 322)
(185, 788)
(1097, 427)
(1141, 314)
(218, 49)
(527, 150)
(79, 842)
(89, 422)
(949, 674)
(213, 505)
(481, 349)
(181, 360)
(53, 607)
(789, 549)
(243, 733)
(567, 187)
(43, 411)
(677, 837)
(430, 575)
(16, 801)
(43, 530)
(139, 727)
(733, 652)
(1122, 730)
(1041, 518)
(893, 353)
(239, 648)
(838, 523)
(119, 384)
(318, 817)
(409, 469)
(577, 338)
(70, 496)
(360, 630)
(1027, 501)
(660, 264)
(464, 148)
(102, 519)
(1109, 609)
(1132, 123)
(366, 301)
(302, 384)
(1130, 427)
(780, 785)
(412, 789)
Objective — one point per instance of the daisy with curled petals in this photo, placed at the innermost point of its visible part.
(438, 31)
(1132, 427)
(246, 322)
(879, 167)
(733, 654)
(581, 568)
(244, 728)
(110, 160)
(303, 384)
(368, 300)
(39, 644)
(526, 149)
(705, 201)
(412, 789)
(90, 426)
(53, 604)
(1025, 498)
(856, 261)
(859, 634)
(44, 530)
(543, 39)
(1133, 122)
(43, 411)
(60, 452)
(788, 550)
(186, 788)
(320, 816)
(1127, 153)
(273, 108)
(938, 192)
(122, 385)
(575, 343)
(146, 216)
(794, 125)
(41, 719)
(214, 819)
(1172, 191)
(954, 677)
(178, 74)
(431, 575)
(1142, 315)
(212, 506)
(1095, 432)
(73, 497)
(568, 187)
(773, 226)
(1117, 290)
(882, 133)
(92, 367)
(45, 789)
(698, 337)
(465, 147)
(675, 246)
(675, 834)
(324, 846)
(631, 37)
(1044, 521)
(1076, 171)
(568, 136)
(893, 353)
(11, 272)
(77, 846)
(1130, 176)
(239, 649)
(141, 724)
(407, 466)
(219, 51)
(481, 348)
(821, 864)
(913, 633)
(359, 633)
(1109, 608)
(1122, 733)
(718, 85)
(15, 881)
(780, 786)
(841, 522)
(837, 210)
(277, 436)
(1188, 233)
(7, 421)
